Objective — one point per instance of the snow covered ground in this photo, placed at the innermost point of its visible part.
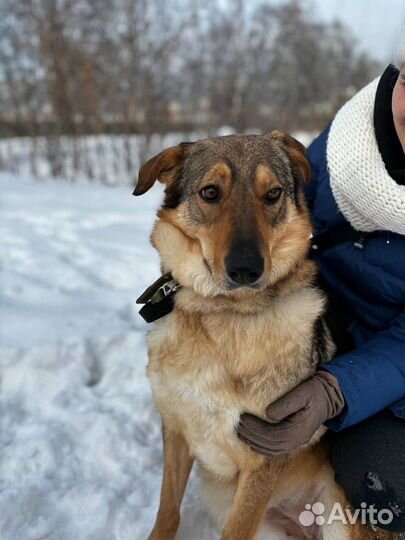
(80, 444)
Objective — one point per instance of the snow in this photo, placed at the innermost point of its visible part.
(80, 442)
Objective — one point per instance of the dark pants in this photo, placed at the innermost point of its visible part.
(368, 458)
(369, 463)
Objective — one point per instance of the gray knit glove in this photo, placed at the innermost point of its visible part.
(295, 417)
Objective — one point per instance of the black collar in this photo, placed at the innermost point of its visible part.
(386, 135)
(158, 298)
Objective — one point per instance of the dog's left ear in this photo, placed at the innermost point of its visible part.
(296, 152)
(161, 167)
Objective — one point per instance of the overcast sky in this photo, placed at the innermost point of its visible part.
(377, 24)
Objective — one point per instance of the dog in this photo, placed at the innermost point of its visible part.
(245, 327)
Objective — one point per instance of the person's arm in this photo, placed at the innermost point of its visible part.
(371, 377)
(350, 388)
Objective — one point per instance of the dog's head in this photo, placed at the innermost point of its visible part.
(233, 218)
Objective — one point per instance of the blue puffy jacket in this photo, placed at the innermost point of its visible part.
(371, 284)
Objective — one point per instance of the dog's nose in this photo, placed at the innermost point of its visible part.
(244, 264)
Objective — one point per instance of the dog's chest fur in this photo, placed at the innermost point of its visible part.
(208, 368)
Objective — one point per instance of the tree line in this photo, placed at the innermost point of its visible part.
(76, 67)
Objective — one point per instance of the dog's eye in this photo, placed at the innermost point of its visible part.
(273, 195)
(210, 194)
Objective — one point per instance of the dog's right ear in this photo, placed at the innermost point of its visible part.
(161, 167)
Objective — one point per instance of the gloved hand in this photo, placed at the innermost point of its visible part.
(293, 418)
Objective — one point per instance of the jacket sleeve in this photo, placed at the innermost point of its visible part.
(371, 377)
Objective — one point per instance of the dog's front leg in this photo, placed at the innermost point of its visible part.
(255, 486)
(177, 465)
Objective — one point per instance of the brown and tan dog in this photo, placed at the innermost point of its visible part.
(246, 328)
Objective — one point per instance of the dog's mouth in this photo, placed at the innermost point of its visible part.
(232, 286)
(257, 285)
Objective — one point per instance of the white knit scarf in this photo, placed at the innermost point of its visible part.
(364, 191)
